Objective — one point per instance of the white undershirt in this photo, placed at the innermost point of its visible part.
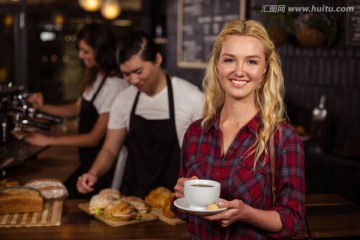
(188, 103)
(109, 91)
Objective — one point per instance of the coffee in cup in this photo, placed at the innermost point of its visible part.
(200, 193)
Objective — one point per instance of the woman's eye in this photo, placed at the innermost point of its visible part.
(252, 62)
(228, 60)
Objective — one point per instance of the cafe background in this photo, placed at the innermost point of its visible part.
(319, 54)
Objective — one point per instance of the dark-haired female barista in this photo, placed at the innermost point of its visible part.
(97, 47)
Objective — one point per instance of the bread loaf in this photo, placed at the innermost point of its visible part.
(50, 188)
(20, 200)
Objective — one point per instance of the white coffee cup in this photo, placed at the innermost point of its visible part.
(200, 193)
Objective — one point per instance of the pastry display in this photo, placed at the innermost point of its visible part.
(116, 209)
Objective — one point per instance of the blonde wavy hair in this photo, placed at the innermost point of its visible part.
(269, 95)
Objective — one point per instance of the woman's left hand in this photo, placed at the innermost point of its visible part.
(179, 187)
(37, 139)
(236, 211)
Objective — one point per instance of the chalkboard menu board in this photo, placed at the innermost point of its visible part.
(353, 24)
(199, 22)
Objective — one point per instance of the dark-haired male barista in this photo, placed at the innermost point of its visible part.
(150, 117)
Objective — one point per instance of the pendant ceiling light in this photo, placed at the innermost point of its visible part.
(90, 5)
(111, 9)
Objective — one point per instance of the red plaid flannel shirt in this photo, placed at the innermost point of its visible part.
(201, 156)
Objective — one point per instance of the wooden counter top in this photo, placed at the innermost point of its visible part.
(339, 219)
(330, 216)
(76, 224)
(53, 162)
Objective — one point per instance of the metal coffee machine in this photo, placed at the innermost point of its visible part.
(17, 118)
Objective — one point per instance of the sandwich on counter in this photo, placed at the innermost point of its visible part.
(121, 210)
(111, 204)
(99, 202)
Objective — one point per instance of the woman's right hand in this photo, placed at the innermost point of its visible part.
(36, 100)
(86, 182)
(179, 187)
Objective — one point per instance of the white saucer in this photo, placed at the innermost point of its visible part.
(182, 204)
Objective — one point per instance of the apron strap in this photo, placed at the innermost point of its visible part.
(171, 98)
(99, 88)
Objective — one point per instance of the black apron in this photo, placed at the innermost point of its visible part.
(153, 152)
(87, 155)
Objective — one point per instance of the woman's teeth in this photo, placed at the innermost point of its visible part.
(238, 83)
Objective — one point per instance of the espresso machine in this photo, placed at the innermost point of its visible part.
(18, 118)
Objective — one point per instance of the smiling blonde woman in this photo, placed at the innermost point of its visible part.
(242, 117)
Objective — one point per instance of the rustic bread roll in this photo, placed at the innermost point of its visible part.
(111, 192)
(50, 188)
(99, 202)
(20, 200)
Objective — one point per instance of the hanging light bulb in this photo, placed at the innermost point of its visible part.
(58, 19)
(8, 20)
(111, 9)
(90, 5)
